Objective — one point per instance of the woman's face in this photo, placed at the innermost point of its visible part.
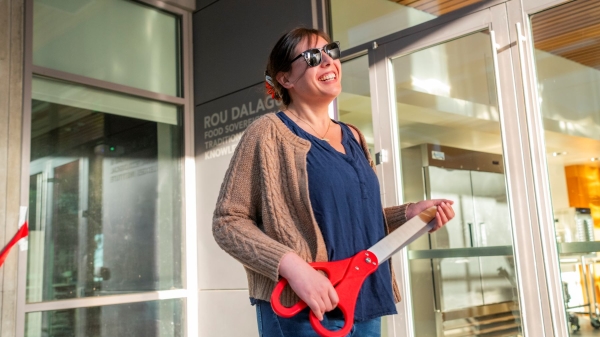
(321, 83)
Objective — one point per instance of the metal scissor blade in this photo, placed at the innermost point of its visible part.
(404, 235)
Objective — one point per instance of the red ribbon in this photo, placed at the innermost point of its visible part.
(270, 90)
(21, 233)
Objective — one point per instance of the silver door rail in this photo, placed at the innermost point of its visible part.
(460, 252)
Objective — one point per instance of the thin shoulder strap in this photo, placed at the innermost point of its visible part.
(359, 140)
(363, 144)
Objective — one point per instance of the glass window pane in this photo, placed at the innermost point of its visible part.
(64, 93)
(106, 195)
(144, 319)
(567, 41)
(118, 41)
(354, 102)
(462, 277)
(358, 21)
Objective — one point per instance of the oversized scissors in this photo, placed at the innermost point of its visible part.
(348, 275)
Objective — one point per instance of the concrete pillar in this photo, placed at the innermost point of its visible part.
(11, 114)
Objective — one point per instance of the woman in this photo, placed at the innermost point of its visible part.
(301, 188)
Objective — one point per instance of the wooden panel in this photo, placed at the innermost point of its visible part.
(437, 7)
(571, 31)
(578, 196)
(11, 113)
(582, 185)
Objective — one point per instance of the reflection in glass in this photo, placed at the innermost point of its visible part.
(462, 276)
(146, 319)
(567, 61)
(105, 196)
(118, 41)
(358, 21)
(354, 103)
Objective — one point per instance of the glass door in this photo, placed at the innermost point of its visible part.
(58, 191)
(448, 132)
(564, 47)
(449, 136)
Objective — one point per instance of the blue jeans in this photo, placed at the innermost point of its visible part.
(271, 325)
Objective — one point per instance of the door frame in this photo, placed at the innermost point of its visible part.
(539, 299)
(519, 19)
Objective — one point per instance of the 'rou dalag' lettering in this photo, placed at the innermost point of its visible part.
(237, 112)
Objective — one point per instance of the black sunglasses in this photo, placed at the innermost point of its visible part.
(313, 56)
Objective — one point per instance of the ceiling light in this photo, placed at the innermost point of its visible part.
(431, 85)
(595, 159)
(569, 260)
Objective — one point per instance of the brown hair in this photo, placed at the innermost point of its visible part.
(281, 55)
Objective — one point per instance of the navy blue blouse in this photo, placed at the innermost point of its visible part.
(344, 195)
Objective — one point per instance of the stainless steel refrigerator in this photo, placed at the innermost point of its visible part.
(462, 275)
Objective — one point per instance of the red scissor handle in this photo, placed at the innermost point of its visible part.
(335, 272)
(347, 276)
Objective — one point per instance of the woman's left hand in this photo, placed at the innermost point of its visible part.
(444, 212)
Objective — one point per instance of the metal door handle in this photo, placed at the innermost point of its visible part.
(471, 233)
(522, 62)
(495, 48)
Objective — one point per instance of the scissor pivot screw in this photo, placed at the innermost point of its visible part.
(368, 259)
(357, 268)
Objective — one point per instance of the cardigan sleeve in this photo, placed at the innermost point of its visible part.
(236, 218)
(395, 216)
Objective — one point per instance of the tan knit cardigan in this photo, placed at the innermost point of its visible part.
(263, 210)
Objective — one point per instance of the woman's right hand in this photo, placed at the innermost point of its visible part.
(311, 286)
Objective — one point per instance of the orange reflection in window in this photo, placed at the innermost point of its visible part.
(583, 184)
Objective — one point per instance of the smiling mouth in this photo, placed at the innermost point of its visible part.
(327, 77)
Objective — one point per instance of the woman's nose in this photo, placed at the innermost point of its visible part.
(325, 59)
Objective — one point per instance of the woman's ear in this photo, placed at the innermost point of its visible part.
(283, 80)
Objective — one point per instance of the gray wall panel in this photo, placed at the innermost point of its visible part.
(200, 4)
(232, 40)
